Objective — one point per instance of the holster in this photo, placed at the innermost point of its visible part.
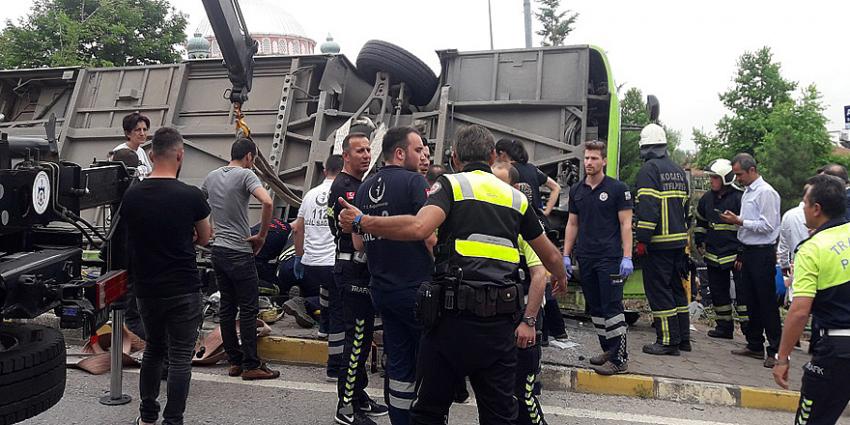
(485, 299)
(429, 304)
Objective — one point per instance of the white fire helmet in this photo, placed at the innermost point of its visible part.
(721, 168)
(652, 134)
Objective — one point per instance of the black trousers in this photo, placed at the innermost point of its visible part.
(553, 321)
(720, 283)
(759, 291)
(171, 325)
(527, 386)
(236, 274)
(330, 302)
(460, 345)
(604, 297)
(826, 383)
(359, 321)
(662, 281)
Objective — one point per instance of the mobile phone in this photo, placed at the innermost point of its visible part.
(718, 211)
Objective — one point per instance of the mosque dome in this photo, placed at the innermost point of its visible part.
(276, 31)
(329, 46)
(198, 47)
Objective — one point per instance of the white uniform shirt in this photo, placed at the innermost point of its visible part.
(145, 165)
(760, 214)
(792, 231)
(319, 248)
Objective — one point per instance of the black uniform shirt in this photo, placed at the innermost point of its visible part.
(395, 265)
(344, 186)
(598, 217)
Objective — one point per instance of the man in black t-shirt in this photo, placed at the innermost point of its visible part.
(166, 281)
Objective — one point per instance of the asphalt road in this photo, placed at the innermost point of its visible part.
(302, 396)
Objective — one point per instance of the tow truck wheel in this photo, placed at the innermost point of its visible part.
(377, 55)
(32, 370)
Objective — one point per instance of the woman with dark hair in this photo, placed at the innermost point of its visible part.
(513, 151)
(136, 127)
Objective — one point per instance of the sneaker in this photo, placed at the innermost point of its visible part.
(234, 370)
(355, 419)
(770, 362)
(562, 338)
(609, 368)
(139, 421)
(262, 372)
(372, 408)
(599, 359)
(685, 346)
(748, 353)
(295, 307)
(661, 350)
(322, 335)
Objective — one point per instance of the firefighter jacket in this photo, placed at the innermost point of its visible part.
(484, 218)
(662, 204)
(720, 239)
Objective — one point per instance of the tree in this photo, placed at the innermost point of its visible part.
(94, 33)
(556, 25)
(795, 145)
(758, 89)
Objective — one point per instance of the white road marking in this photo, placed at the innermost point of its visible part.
(379, 394)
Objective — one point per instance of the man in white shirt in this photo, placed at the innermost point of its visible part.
(136, 127)
(792, 231)
(314, 262)
(758, 231)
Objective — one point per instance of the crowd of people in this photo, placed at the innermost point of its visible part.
(458, 264)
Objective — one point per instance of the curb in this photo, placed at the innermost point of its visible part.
(678, 390)
(301, 351)
(313, 352)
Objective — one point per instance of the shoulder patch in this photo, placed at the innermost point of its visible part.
(434, 188)
(628, 195)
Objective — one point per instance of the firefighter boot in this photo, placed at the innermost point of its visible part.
(723, 330)
(667, 337)
(685, 331)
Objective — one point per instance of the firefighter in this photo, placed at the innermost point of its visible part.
(719, 245)
(472, 311)
(662, 233)
(349, 347)
(397, 268)
(600, 230)
(822, 288)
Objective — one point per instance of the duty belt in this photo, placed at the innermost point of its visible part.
(763, 246)
(483, 301)
(835, 332)
(357, 257)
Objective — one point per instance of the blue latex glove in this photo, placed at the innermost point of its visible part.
(568, 264)
(298, 268)
(626, 267)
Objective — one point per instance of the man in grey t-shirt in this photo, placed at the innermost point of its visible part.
(228, 190)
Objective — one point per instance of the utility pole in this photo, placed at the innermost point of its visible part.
(526, 9)
(490, 15)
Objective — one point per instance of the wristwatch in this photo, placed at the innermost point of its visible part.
(785, 361)
(530, 321)
(355, 225)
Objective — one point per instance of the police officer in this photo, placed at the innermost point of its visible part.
(662, 208)
(527, 385)
(719, 245)
(822, 288)
(480, 219)
(600, 230)
(351, 276)
(397, 268)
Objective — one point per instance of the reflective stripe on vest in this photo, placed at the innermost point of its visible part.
(485, 187)
(484, 246)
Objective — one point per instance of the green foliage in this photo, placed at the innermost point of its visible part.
(96, 33)
(795, 145)
(556, 25)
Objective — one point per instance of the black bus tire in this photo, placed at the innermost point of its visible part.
(377, 55)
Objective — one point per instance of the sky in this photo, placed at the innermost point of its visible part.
(683, 52)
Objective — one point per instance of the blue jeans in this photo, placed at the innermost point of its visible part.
(170, 324)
